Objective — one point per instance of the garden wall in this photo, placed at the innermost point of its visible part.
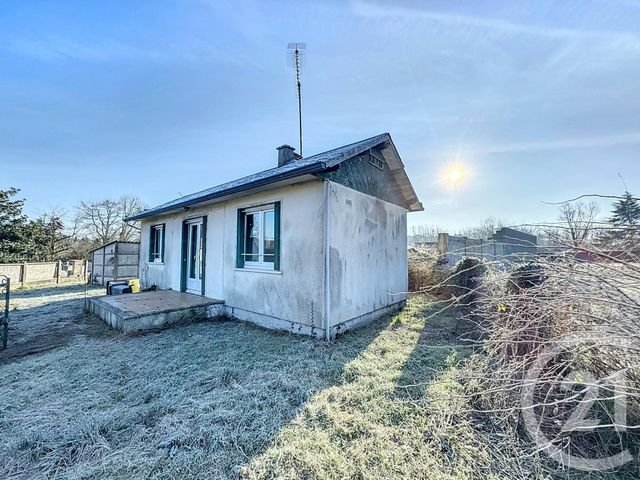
(502, 248)
(42, 273)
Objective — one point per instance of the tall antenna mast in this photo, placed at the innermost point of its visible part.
(296, 59)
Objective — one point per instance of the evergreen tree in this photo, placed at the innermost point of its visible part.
(22, 240)
(13, 224)
(626, 212)
(33, 242)
(625, 220)
(49, 238)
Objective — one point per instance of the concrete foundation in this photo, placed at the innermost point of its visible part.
(162, 308)
(298, 328)
(273, 323)
(151, 310)
(362, 320)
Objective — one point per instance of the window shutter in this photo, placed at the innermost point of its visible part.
(151, 242)
(164, 234)
(183, 270)
(204, 254)
(240, 240)
(276, 228)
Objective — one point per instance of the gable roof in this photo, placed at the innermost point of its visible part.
(315, 164)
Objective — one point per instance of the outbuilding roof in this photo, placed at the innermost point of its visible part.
(100, 247)
(310, 165)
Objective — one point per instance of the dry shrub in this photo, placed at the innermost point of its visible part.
(525, 276)
(560, 344)
(426, 268)
(465, 283)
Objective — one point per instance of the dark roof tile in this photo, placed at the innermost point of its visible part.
(314, 164)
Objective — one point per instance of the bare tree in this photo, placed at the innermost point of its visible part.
(103, 221)
(130, 231)
(424, 233)
(58, 234)
(484, 230)
(579, 219)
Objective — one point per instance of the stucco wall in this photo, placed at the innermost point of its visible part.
(368, 245)
(292, 296)
(167, 274)
(368, 258)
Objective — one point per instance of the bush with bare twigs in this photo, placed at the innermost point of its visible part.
(466, 281)
(426, 268)
(558, 359)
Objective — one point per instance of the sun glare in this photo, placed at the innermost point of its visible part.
(454, 175)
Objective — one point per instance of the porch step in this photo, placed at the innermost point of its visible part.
(152, 310)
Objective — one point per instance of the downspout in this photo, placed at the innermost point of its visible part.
(223, 294)
(327, 266)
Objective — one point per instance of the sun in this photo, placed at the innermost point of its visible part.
(454, 175)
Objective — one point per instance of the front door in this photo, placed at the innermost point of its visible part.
(195, 256)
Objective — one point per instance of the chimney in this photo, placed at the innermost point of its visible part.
(286, 154)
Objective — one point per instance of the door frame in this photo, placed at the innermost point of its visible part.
(185, 249)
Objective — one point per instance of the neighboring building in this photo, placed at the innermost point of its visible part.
(316, 245)
(506, 245)
(515, 241)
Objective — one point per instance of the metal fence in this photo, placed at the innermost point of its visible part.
(5, 289)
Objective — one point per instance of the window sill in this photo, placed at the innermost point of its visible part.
(259, 270)
(155, 263)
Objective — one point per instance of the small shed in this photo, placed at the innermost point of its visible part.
(114, 261)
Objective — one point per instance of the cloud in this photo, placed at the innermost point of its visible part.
(56, 49)
(373, 10)
(632, 138)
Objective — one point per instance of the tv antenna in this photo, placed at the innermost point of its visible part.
(295, 55)
(626, 189)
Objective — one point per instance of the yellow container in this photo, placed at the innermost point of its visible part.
(135, 285)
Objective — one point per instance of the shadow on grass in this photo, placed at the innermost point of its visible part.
(195, 401)
(229, 399)
(438, 347)
(366, 424)
(465, 442)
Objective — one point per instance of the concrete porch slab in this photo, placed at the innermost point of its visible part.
(149, 310)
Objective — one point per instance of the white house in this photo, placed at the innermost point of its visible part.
(316, 245)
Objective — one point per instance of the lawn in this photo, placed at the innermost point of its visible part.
(231, 400)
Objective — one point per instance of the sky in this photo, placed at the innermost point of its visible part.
(536, 102)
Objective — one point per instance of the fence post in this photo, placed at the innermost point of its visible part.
(24, 274)
(58, 268)
(5, 289)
